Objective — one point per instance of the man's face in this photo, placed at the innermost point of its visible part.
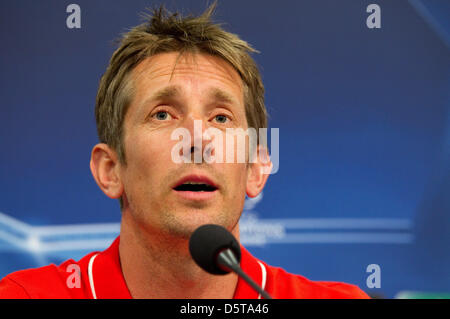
(171, 94)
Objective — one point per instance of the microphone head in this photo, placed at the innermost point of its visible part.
(207, 242)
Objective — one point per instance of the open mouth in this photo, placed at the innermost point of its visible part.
(195, 187)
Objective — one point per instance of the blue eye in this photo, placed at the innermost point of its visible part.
(221, 118)
(161, 115)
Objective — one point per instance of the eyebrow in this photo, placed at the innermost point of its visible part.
(221, 96)
(169, 92)
(174, 91)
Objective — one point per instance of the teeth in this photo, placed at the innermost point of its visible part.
(195, 183)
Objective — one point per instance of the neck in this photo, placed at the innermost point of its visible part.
(157, 266)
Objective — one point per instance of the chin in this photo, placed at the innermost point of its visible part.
(184, 227)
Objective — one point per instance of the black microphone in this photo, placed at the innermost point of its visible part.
(216, 250)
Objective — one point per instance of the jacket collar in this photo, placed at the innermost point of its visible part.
(106, 279)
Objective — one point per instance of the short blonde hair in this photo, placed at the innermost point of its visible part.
(170, 32)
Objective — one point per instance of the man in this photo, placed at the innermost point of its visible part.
(173, 73)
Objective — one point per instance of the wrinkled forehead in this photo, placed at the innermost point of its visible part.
(165, 67)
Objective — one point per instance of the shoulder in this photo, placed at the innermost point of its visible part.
(284, 285)
(48, 282)
(31, 283)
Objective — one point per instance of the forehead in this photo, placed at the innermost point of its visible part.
(200, 71)
(192, 73)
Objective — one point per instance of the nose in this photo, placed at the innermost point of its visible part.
(199, 141)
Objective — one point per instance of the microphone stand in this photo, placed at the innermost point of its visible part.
(228, 262)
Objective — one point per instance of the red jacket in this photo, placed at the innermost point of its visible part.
(101, 277)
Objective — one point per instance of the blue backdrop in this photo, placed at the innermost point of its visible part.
(363, 116)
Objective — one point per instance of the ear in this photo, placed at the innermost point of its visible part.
(105, 169)
(258, 172)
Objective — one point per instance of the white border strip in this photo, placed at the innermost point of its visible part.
(264, 277)
(91, 277)
(76, 229)
(335, 223)
(254, 231)
(344, 238)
